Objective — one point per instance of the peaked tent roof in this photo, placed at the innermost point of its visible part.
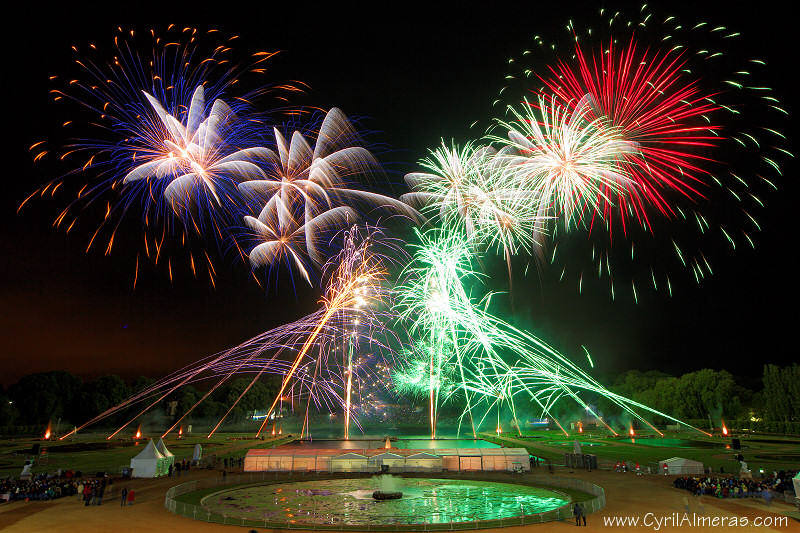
(350, 455)
(388, 455)
(680, 460)
(150, 452)
(163, 449)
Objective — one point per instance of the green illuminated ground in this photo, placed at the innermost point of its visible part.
(769, 452)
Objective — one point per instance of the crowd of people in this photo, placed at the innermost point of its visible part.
(46, 486)
(733, 487)
(233, 462)
(781, 481)
(179, 466)
(92, 491)
(43, 486)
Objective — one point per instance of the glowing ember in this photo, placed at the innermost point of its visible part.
(724, 429)
(47, 433)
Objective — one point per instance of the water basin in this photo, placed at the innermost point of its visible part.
(350, 502)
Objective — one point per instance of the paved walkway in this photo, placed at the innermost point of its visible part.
(627, 495)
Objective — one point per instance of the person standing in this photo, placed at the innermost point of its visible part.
(130, 497)
(576, 510)
(583, 515)
(124, 496)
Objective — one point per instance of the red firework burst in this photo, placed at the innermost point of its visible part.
(648, 99)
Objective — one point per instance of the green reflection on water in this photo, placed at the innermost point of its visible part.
(349, 501)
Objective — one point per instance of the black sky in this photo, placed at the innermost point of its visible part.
(416, 74)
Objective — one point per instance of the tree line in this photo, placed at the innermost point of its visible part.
(713, 395)
(703, 397)
(39, 398)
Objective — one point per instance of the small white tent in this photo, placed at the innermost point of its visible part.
(149, 463)
(680, 466)
(168, 457)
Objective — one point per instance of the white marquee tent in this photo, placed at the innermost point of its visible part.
(162, 449)
(149, 463)
(309, 459)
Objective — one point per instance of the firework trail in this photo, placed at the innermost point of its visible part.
(307, 193)
(699, 139)
(318, 356)
(354, 289)
(426, 304)
(466, 190)
(564, 162)
(145, 140)
(190, 157)
(475, 354)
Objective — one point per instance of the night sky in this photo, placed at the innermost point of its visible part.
(415, 76)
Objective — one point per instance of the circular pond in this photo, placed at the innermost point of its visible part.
(349, 501)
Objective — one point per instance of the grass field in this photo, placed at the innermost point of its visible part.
(93, 453)
(118, 454)
(769, 452)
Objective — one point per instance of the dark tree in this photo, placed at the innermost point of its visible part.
(44, 396)
(140, 383)
(102, 394)
(8, 411)
(781, 393)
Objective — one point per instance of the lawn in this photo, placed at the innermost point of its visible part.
(118, 453)
(759, 451)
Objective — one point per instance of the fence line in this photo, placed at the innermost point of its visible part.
(196, 512)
